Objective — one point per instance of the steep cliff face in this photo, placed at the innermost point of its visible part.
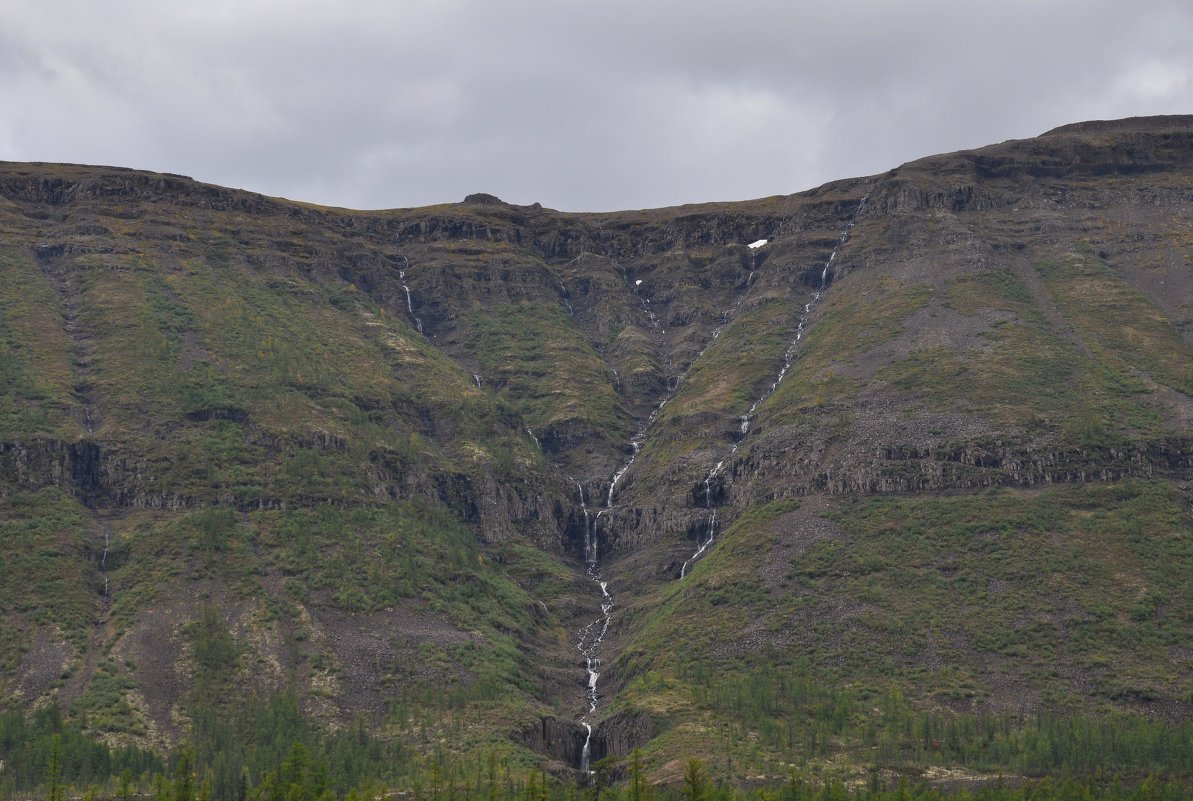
(977, 298)
(398, 416)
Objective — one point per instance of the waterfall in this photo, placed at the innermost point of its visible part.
(636, 446)
(711, 531)
(103, 561)
(409, 300)
(788, 360)
(592, 635)
(479, 379)
(644, 302)
(563, 295)
(590, 547)
(789, 355)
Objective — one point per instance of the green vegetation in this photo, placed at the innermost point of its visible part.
(534, 357)
(719, 388)
(35, 353)
(263, 540)
(45, 576)
(906, 615)
(1118, 323)
(1019, 370)
(1092, 383)
(43, 748)
(296, 765)
(872, 313)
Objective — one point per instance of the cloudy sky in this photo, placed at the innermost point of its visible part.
(606, 104)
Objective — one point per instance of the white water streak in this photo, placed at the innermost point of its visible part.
(593, 635)
(409, 298)
(789, 355)
(103, 562)
(564, 296)
(788, 360)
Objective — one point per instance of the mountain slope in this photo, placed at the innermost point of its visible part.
(370, 448)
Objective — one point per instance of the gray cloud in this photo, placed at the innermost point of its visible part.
(577, 105)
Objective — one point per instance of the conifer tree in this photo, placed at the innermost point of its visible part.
(125, 793)
(184, 780)
(54, 789)
(695, 785)
(639, 790)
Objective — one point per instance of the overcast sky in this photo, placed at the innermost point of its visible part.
(607, 104)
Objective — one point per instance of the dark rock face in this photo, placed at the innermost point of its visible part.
(559, 739)
(691, 265)
(930, 468)
(564, 740)
(484, 199)
(620, 735)
(235, 415)
(76, 467)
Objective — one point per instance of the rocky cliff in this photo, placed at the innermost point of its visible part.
(312, 417)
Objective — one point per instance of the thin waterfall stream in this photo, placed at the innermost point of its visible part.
(788, 360)
(409, 298)
(103, 561)
(593, 635)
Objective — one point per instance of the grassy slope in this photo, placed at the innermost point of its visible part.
(35, 353)
(844, 624)
(1063, 598)
(322, 380)
(816, 631)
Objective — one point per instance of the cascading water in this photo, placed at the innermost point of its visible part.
(711, 531)
(409, 300)
(479, 379)
(589, 534)
(788, 360)
(592, 635)
(636, 445)
(640, 436)
(635, 287)
(563, 295)
(754, 246)
(103, 560)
